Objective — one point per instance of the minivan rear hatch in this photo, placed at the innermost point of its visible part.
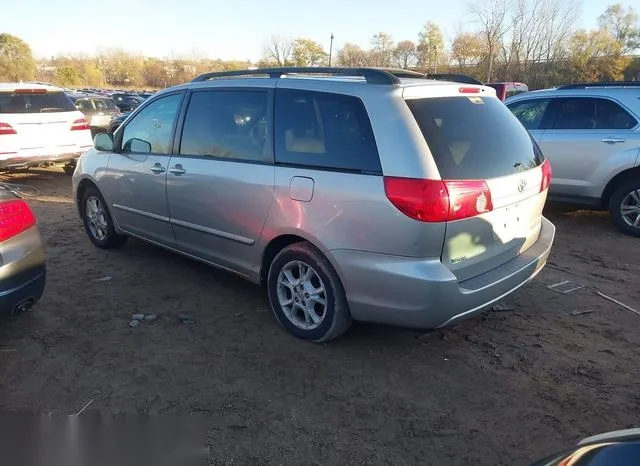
(494, 175)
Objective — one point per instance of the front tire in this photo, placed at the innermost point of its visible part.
(98, 222)
(625, 208)
(306, 294)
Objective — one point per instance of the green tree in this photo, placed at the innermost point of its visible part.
(430, 46)
(16, 59)
(595, 56)
(67, 76)
(624, 25)
(307, 52)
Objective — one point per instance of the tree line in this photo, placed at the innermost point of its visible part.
(533, 41)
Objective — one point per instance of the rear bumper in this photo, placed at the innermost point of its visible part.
(419, 293)
(18, 161)
(29, 289)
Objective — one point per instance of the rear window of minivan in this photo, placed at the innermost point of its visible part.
(49, 102)
(474, 137)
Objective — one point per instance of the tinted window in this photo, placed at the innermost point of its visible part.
(226, 124)
(323, 130)
(84, 105)
(48, 102)
(591, 113)
(153, 125)
(530, 112)
(474, 137)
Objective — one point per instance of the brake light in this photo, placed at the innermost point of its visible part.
(15, 217)
(30, 91)
(469, 90)
(438, 200)
(79, 125)
(6, 128)
(546, 175)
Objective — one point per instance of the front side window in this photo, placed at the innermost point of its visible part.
(152, 128)
(592, 113)
(530, 112)
(226, 124)
(323, 130)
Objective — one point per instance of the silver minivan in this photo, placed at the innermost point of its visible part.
(351, 194)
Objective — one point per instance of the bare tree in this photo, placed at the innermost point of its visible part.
(491, 16)
(278, 50)
(623, 24)
(352, 56)
(382, 50)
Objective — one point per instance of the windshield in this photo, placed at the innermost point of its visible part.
(49, 102)
(474, 137)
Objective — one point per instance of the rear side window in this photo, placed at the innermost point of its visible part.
(474, 137)
(226, 124)
(104, 104)
(592, 113)
(530, 112)
(324, 130)
(49, 102)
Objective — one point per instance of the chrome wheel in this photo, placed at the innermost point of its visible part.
(630, 209)
(96, 218)
(302, 295)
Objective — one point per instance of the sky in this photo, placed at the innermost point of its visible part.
(230, 30)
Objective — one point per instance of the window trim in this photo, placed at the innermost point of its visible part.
(560, 99)
(268, 153)
(121, 129)
(307, 166)
(544, 119)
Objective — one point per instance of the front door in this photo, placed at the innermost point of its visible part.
(220, 185)
(136, 178)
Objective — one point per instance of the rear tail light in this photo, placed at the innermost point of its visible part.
(79, 125)
(438, 200)
(546, 175)
(6, 128)
(15, 217)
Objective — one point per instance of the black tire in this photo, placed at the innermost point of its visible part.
(111, 239)
(619, 197)
(336, 318)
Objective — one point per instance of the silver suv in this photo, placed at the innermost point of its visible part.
(352, 194)
(591, 135)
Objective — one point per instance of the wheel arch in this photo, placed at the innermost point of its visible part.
(621, 178)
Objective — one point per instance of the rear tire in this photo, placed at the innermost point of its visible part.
(625, 208)
(306, 294)
(98, 222)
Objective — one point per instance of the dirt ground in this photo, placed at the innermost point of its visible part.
(503, 388)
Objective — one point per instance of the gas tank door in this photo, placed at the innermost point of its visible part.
(301, 188)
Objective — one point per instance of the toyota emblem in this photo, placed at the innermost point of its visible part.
(522, 185)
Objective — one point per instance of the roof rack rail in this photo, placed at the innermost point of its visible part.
(371, 75)
(601, 84)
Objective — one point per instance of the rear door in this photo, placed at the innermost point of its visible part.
(490, 160)
(220, 181)
(586, 134)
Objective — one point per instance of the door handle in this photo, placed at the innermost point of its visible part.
(177, 170)
(613, 140)
(157, 168)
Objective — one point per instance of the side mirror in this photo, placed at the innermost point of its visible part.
(104, 142)
(137, 145)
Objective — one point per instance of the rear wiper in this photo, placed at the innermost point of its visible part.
(51, 109)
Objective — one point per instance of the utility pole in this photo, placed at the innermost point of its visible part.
(331, 49)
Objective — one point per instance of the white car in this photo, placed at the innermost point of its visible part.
(39, 124)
